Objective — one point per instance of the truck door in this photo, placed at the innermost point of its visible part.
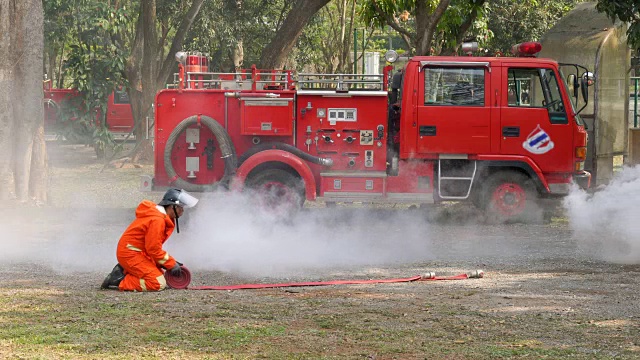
(534, 122)
(453, 112)
(119, 116)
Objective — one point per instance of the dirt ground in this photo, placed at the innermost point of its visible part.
(545, 293)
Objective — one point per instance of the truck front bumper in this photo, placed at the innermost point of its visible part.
(583, 180)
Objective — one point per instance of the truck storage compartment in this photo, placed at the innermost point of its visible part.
(266, 116)
(352, 185)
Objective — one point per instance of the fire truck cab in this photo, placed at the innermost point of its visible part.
(119, 119)
(501, 132)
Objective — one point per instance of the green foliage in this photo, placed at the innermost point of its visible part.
(95, 62)
(450, 30)
(370, 11)
(513, 22)
(57, 22)
(627, 11)
(326, 44)
(222, 24)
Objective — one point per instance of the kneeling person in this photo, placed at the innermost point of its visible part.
(140, 254)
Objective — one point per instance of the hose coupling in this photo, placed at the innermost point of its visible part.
(475, 274)
(428, 275)
(326, 161)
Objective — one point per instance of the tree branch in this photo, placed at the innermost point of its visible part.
(426, 29)
(178, 40)
(391, 21)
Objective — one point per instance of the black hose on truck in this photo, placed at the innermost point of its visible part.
(226, 147)
(285, 147)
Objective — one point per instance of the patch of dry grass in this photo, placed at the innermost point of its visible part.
(348, 322)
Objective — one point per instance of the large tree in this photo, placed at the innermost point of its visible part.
(120, 42)
(23, 171)
(150, 64)
(421, 22)
(326, 43)
(276, 52)
(513, 22)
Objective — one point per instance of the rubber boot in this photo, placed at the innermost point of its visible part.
(114, 278)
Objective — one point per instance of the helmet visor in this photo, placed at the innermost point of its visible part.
(186, 200)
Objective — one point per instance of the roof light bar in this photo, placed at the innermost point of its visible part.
(526, 49)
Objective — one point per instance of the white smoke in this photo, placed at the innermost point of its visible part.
(228, 233)
(67, 240)
(607, 223)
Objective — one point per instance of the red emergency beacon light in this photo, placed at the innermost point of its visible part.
(192, 67)
(197, 63)
(526, 49)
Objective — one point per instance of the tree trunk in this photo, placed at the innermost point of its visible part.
(426, 25)
(237, 55)
(23, 159)
(147, 73)
(6, 118)
(274, 55)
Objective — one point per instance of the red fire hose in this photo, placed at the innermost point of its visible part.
(178, 282)
(182, 281)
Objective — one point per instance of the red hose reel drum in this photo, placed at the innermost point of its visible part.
(178, 282)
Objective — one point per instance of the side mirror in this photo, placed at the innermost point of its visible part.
(586, 80)
(572, 83)
(589, 78)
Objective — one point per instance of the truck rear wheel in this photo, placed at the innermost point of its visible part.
(510, 196)
(278, 190)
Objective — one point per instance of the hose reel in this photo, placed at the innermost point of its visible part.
(226, 147)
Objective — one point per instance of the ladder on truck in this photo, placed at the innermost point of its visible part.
(341, 82)
(452, 176)
(280, 80)
(246, 79)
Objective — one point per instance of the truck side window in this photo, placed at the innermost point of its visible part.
(121, 97)
(536, 88)
(524, 88)
(453, 86)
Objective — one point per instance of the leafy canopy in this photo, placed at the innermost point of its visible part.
(627, 11)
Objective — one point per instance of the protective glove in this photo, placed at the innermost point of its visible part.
(176, 270)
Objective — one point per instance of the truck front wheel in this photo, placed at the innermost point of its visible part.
(278, 190)
(510, 197)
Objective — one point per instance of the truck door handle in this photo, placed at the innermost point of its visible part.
(511, 131)
(427, 130)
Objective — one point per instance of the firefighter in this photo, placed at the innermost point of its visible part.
(140, 254)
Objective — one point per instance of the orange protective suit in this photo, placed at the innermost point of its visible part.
(140, 249)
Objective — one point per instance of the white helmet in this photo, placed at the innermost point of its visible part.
(178, 197)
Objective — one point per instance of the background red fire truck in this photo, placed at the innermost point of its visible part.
(502, 132)
(57, 120)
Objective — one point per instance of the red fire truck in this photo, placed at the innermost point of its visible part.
(119, 117)
(502, 132)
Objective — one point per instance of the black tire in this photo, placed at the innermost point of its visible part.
(510, 197)
(278, 189)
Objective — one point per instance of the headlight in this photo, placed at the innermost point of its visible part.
(391, 56)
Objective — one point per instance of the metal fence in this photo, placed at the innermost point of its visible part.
(634, 99)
